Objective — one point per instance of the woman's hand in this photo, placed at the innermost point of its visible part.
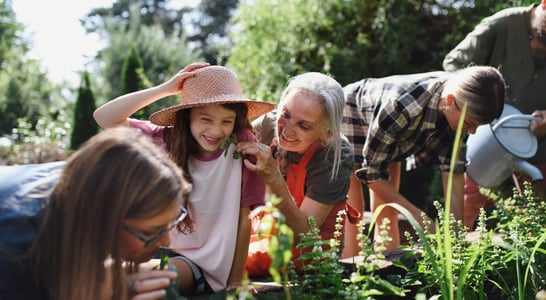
(264, 164)
(174, 85)
(149, 285)
(538, 128)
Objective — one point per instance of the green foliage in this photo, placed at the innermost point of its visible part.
(151, 12)
(232, 139)
(161, 54)
(365, 282)
(211, 28)
(130, 79)
(322, 274)
(521, 258)
(273, 224)
(45, 142)
(450, 262)
(172, 290)
(133, 79)
(9, 31)
(441, 263)
(25, 91)
(351, 39)
(84, 125)
(511, 265)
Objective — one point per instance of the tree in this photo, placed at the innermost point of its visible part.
(133, 79)
(84, 124)
(152, 12)
(9, 31)
(349, 39)
(209, 26)
(161, 55)
(211, 29)
(25, 91)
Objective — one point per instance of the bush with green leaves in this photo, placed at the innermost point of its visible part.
(512, 268)
(459, 267)
(84, 125)
(521, 263)
(322, 273)
(350, 39)
(507, 261)
(322, 276)
(47, 141)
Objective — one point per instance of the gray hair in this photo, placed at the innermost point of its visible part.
(330, 94)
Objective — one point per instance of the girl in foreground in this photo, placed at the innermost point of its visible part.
(78, 229)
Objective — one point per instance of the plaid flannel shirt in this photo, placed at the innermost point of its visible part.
(392, 118)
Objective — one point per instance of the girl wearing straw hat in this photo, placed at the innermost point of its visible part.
(212, 108)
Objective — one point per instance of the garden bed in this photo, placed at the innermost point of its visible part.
(505, 261)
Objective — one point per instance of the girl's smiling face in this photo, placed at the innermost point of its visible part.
(209, 126)
(301, 122)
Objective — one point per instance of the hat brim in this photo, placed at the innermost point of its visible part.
(256, 108)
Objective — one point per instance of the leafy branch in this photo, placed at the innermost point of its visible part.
(172, 290)
(232, 139)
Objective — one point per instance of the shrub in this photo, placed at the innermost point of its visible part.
(47, 142)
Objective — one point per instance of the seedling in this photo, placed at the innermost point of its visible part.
(232, 139)
(172, 290)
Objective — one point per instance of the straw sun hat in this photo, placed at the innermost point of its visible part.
(211, 85)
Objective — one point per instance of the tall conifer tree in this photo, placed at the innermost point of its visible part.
(84, 124)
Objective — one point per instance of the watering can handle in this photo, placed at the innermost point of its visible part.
(515, 117)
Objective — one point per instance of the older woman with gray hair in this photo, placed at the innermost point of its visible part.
(309, 162)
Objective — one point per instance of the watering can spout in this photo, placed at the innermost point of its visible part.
(529, 169)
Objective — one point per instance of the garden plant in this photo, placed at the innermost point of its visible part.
(506, 261)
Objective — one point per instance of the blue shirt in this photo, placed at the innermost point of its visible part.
(24, 193)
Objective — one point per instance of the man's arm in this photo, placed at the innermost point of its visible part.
(475, 48)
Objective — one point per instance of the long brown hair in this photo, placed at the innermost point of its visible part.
(117, 174)
(181, 144)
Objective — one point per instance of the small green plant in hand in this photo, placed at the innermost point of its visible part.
(232, 139)
(172, 290)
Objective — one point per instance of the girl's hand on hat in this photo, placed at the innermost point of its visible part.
(194, 66)
(538, 128)
(175, 84)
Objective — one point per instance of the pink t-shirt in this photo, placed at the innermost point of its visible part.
(252, 185)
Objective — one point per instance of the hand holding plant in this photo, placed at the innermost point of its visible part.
(172, 290)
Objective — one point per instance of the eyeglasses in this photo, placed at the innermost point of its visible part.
(150, 240)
